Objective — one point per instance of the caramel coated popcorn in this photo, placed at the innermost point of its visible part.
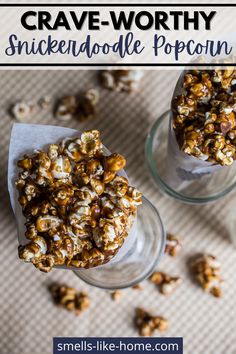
(84, 108)
(173, 245)
(116, 295)
(147, 324)
(69, 298)
(122, 80)
(165, 283)
(204, 115)
(22, 110)
(78, 209)
(137, 286)
(206, 269)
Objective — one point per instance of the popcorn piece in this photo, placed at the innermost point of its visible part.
(90, 143)
(134, 194)
(72, 150)
(122, 80)
(92, 95)
(137, 287)
(44, 262)
(31, 232)
(69, 298)
(119, 187)
(157, 278)
(47, 222)
(61, 167)
(147, 324)
(105, 234)
(67, 108)
(35, 248)
(45, 102)
(173, 245)
(25, 163)
(207, 272)
(115, 162)
(85, 196)
(97, 185)
(84, 108)
(53, 152)
(116, 295)
(81, 220)
(166, 284)
(108, 176)
(22, 111)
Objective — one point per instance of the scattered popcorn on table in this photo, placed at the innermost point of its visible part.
(45, 102)
(116, 295)
(206, 269)
(173, 245)
(83, 108)
(78, 209)
(137, 287)
(93, 96)
(122, 80)
(69, 298)
(22, 111)
(67, 108)
(147, 324)
(165, 283)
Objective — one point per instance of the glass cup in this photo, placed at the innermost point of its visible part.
(140, 260)
(206, 188)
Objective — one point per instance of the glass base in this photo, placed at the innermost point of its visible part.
(141, 259)
(207, 188)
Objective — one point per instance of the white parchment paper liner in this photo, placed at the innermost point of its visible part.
(25, 138)
(183, 169)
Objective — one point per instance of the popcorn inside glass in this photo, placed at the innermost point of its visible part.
(79, 210)
(202, 130)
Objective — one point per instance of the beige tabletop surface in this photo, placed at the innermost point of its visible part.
(28, 318)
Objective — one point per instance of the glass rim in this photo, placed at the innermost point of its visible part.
(150, 270)
(153, 168)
